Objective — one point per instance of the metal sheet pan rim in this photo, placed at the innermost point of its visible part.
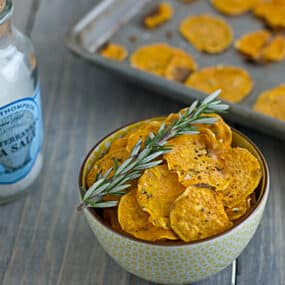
(177, 91)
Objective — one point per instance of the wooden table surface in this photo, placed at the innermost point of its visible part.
(43, 239)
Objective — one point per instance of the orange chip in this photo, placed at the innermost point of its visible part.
(252, 44)
(142, 133)
(136, 222)
(192, 161)
(153, 58)
(105, 163)
(240, 209)
(234, 82)
(234, 7)
(180, 66)
(246, 173)
(260, 47)
(119, 143)
(275, 50)
(207, 33)
(162, 13)
(237, 211)
(114, 51)
(198, 214)
(157, 190)
(220, 135)
(221, 131)
(171, 118)
(272, 13)
(272, 103)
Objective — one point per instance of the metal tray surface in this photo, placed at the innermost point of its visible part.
(120, 21)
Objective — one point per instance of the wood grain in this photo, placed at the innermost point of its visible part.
(43, 239)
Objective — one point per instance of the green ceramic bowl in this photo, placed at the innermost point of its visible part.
(176, 262)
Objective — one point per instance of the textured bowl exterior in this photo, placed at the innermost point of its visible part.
(182, 263)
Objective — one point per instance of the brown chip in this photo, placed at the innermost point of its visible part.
(180, 66)
(111, 217)
(136, 222)
(234, 82)
(157, 190)
(260, 46)
(240, 209)
(252, 44)
(114, 51)
(275, 50)
(191, 159)
(233, 7)
(272, 13)
(237, 211)
(246, 173)
(272, 103)
(161, 14)
(207, 33)
(198, 214)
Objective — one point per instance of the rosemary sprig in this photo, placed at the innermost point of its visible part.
(147, 157)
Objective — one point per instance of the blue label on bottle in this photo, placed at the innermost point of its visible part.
(21, 136)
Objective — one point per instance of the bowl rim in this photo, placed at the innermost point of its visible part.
(95, 216)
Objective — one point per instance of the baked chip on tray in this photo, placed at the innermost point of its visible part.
(207, 33)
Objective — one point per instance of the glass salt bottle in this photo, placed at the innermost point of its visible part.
(21, 131)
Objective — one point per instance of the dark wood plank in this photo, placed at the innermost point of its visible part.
(263, 260)
(44, 240)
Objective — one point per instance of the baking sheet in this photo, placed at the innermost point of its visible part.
(120, 21)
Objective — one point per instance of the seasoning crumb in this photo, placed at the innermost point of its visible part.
(132, 39)
(169, 34)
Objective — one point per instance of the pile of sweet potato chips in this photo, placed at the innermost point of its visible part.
(203, 186)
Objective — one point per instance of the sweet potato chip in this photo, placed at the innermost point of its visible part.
(106, 162)
(119, 143)
(157, 190)
(198, 214)
(252, 44)
(234, 82)
(237, 211)
(222, 132)
(240, 209)
(114, 51)
(153, 58)
(275, 50)
(272, 13)
(246, 173)
(161, 14)
(142, 133)
(192, 161)
(260, 46)
(136, 222)
(207, 33)
(234, 7)
(180, 66)
(272, 103)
